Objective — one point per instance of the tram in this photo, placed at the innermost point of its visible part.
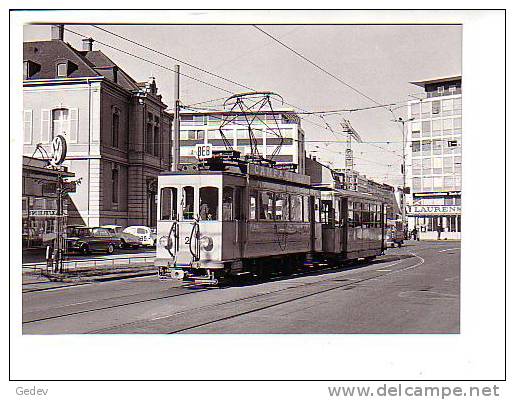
(229, 217)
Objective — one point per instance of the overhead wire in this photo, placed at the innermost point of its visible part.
(302, 112)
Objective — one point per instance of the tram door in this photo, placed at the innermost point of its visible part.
(312, 223)
(344, 217)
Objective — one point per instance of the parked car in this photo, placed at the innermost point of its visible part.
(394, 233)
(147, 238)
(84, 240)
(126, 239)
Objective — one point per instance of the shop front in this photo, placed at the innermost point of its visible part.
(40, 203)
(435, 222)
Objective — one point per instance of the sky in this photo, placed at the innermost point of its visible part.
(379, 61)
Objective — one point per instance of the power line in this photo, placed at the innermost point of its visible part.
(151, 62)
(173, 58)
(327, 127)
(192, 66)
(317, 66)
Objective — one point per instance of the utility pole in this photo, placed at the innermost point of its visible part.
(403, 197)
(176, 143)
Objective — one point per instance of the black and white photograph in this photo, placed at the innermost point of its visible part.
(207, 181)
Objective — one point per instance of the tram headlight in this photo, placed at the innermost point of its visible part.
(206, 243)
(163, 241)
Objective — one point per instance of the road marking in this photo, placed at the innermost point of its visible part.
(454, 248)
(383, 270)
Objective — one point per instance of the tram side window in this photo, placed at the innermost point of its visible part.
(253, 196)
(317, 209)
(168, 203)
(238, 210)
(281, 207)
(208, 210)
(337, 206)
(327, 212)
(305, 208)
(188, 201)
(295, 208)
(227, 204)
(266, 206)
(365, 216)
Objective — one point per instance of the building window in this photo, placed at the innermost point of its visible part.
(114, 184)
(150, 139)
(157, 141)
(426, 109)
(415, 110)
(115, 128)
(60, 122)
(436, 107)
(62, 70)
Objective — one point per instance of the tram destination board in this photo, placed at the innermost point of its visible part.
(274, 173)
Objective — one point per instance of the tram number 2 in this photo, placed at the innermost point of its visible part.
(187, 240)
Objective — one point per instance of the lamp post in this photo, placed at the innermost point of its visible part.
(403, 122)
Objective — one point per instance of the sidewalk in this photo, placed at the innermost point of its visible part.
(37, 279)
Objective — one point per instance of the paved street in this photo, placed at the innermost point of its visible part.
(414, 289)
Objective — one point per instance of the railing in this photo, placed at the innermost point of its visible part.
(92, 264)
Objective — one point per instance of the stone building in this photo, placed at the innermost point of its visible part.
(117, 129)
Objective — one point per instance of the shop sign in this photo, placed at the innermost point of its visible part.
(45, 213)
(433, 210)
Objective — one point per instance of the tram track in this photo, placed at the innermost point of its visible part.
(58, 314)
(83, 311)
(193, 318)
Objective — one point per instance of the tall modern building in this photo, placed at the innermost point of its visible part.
(117, 129)
(267, 126)
(434, 159)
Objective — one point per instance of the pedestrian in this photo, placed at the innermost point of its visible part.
(439, 230)
(414, 234)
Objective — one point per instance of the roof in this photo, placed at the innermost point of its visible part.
(46, 53)
(89, 63)
(436, 80)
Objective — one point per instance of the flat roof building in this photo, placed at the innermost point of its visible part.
(434, 159)
(267, 129)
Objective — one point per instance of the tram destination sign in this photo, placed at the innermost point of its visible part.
(433, 210)
(275, 173)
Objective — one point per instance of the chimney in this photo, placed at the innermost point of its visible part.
(87, 44)
(58, 32)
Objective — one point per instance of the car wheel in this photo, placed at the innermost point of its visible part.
(110, 248)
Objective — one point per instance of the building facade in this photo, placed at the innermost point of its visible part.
(203, 127)
(434, 159)
(39, 202)
(117, 130)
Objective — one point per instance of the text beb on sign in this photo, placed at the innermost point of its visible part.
(203, 151)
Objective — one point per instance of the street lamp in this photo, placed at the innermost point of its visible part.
(403, 122)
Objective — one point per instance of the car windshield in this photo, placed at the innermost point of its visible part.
(100, 232)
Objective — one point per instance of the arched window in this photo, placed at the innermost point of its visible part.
(60, 122)
(115, 128)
